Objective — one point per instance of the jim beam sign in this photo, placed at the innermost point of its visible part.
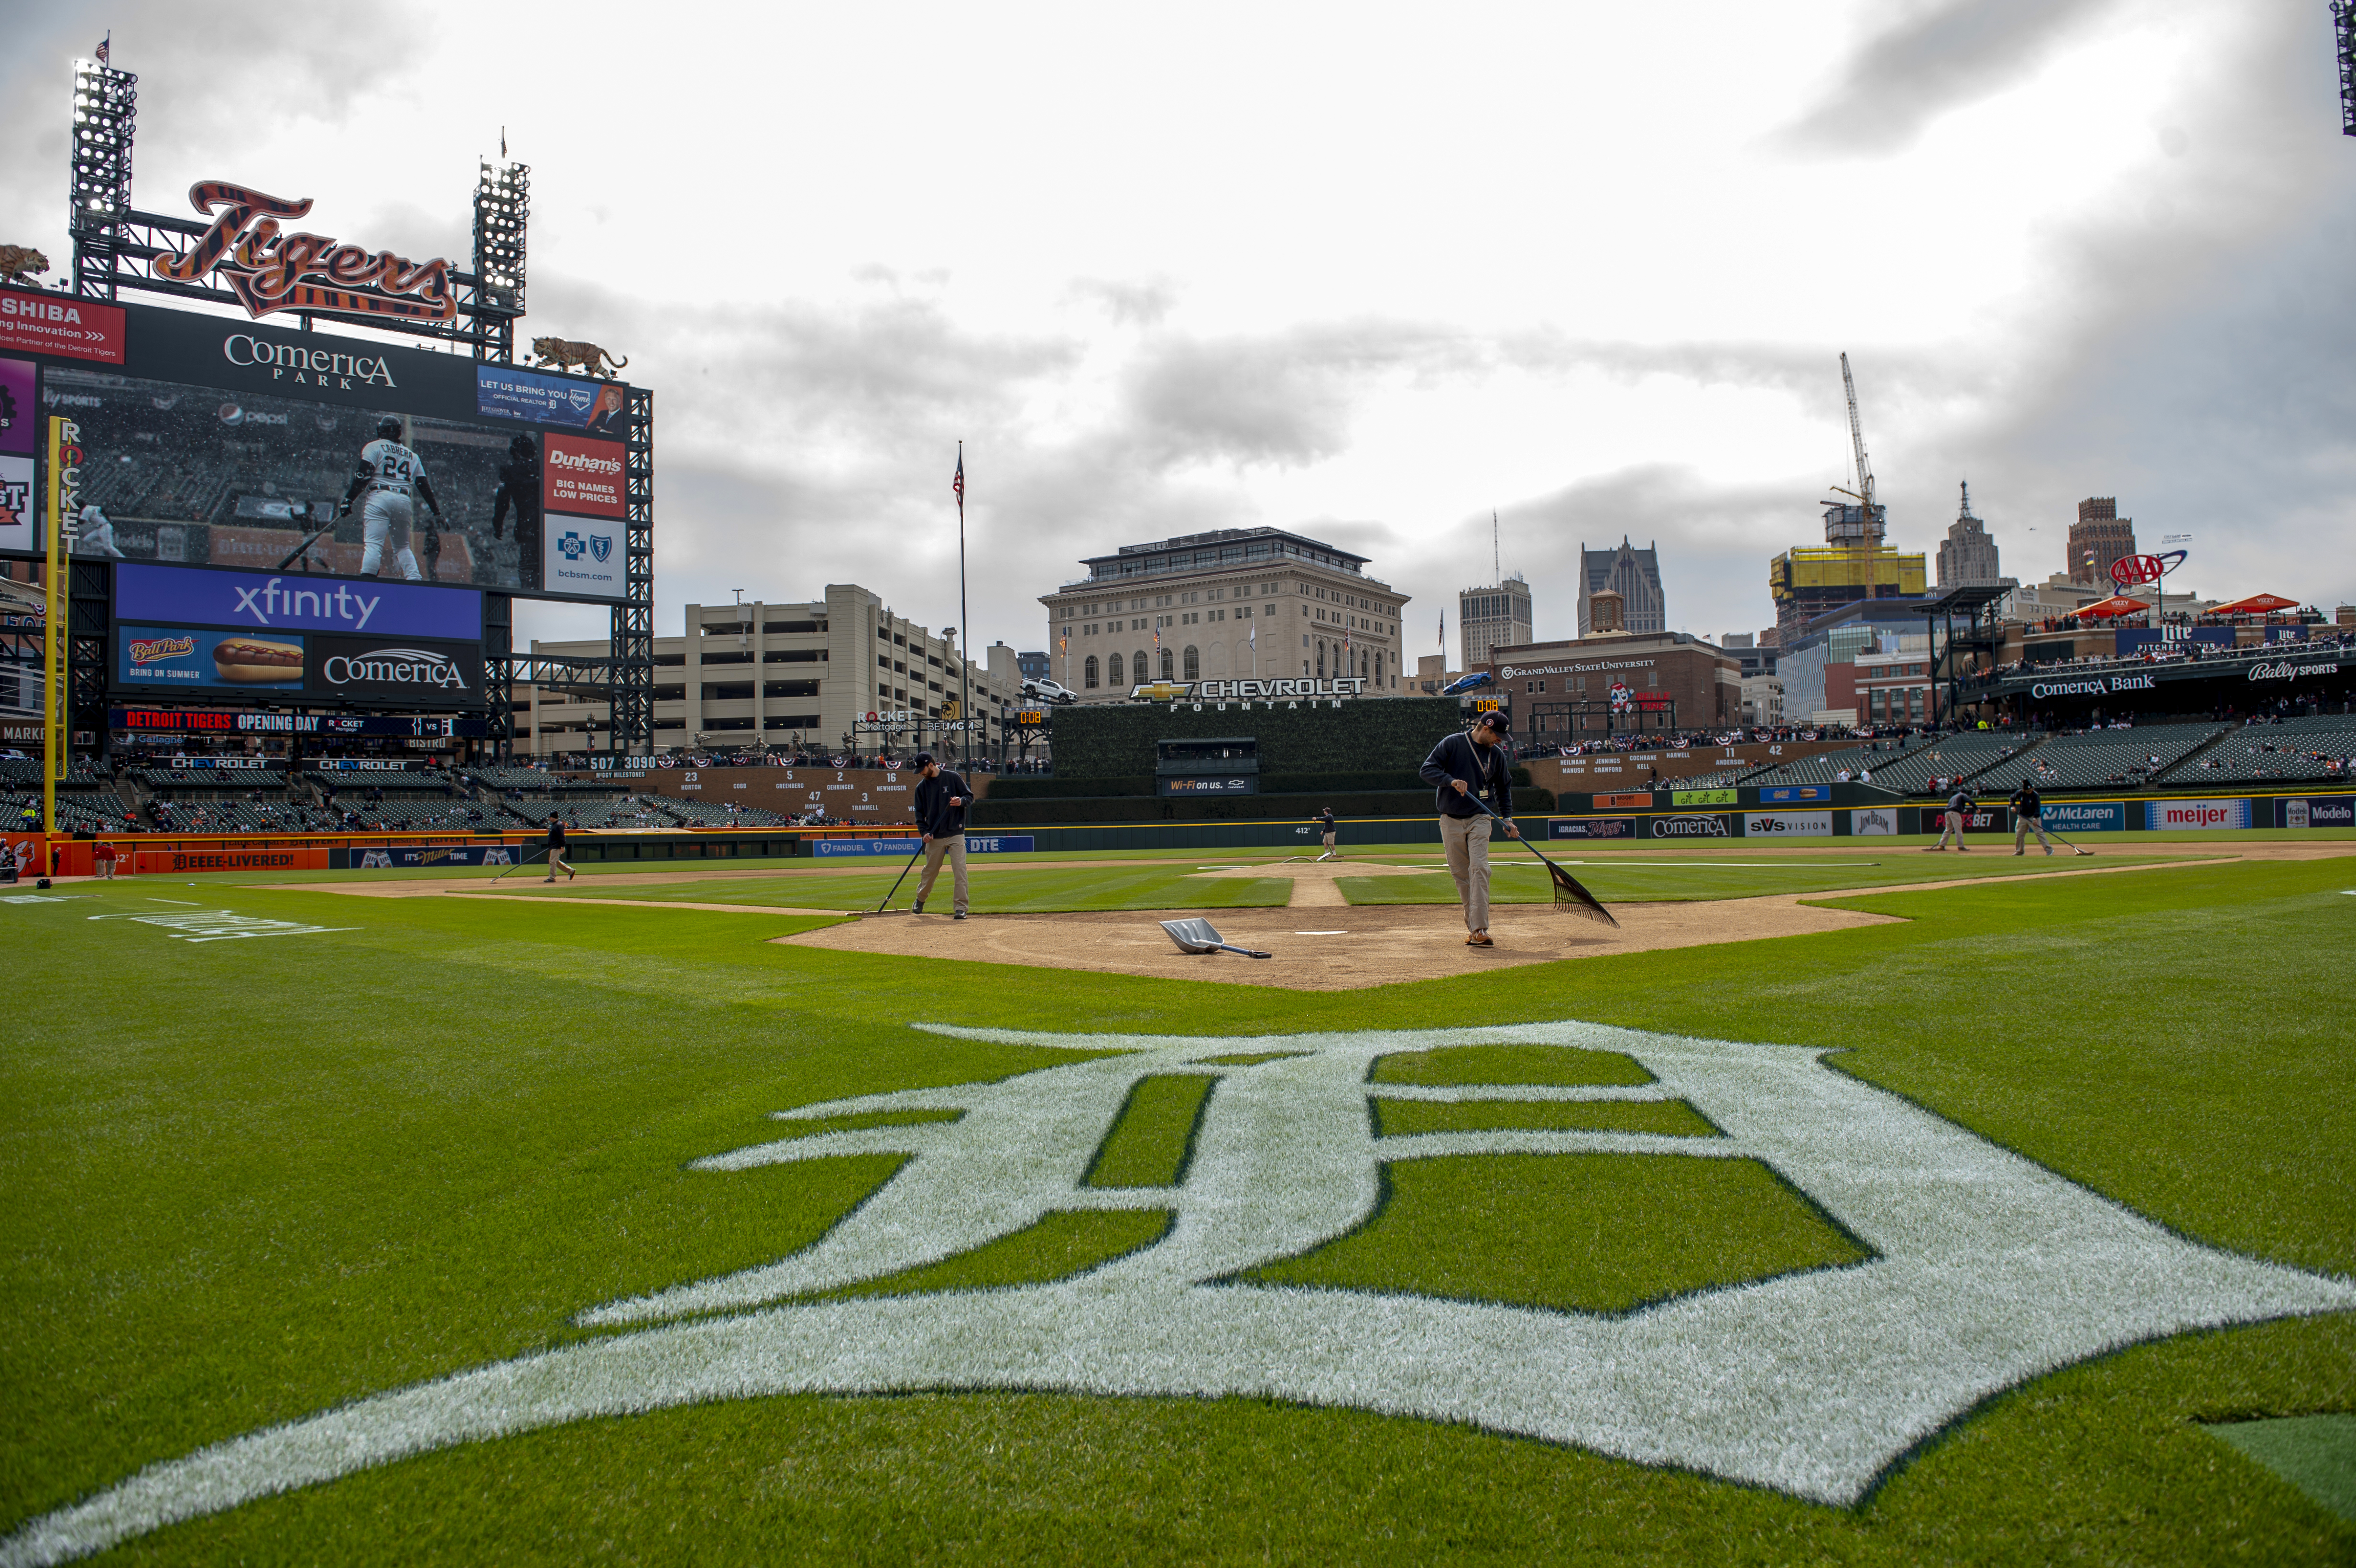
(271, 272)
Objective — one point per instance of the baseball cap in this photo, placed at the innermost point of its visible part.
(1496, 718)
(921, 760)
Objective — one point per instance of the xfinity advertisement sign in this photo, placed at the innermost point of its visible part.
(284, 601)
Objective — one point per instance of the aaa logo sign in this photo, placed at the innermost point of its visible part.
(1987, 1270)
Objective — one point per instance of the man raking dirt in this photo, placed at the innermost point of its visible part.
(1465, 768)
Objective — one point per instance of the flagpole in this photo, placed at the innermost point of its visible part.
(965, 625)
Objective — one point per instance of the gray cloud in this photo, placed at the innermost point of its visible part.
(1941, 57)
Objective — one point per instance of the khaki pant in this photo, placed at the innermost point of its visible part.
(953, 845)
(2021, 828)
(1466, 839)
(105, 869)
(1954, 829)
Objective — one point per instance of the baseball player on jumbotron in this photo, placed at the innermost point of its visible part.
(389, 473)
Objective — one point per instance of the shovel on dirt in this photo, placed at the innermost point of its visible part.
(1198, 936)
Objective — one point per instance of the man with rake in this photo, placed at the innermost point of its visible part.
(1462, 769)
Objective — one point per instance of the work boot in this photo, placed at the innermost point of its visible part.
(917, 908)
(550, 878)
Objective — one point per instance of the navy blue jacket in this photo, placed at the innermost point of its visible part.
(936, 818)
(1457, 757)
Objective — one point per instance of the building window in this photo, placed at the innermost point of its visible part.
(1090, 671)
(1116, 669)
(1138, 672)
(1194, 664)
(1169, 662)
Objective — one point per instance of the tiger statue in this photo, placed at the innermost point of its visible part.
(21, 263)
(558, 353)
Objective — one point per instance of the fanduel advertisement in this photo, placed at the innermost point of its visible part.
(294, 602)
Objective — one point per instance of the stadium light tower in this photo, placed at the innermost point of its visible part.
(2343, 35)
(502, 214)
(105, 114)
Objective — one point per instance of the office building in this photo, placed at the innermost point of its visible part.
(1967, 554)
(1633, 575)
(1492, 617)
(2098, 538)
(1231, 605)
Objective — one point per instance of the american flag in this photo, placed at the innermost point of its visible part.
(105, 47)
(957, 484)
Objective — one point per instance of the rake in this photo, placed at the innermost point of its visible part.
(902, 877)
(1569, 898)
(1198, 935)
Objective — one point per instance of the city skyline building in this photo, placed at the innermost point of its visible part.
(1967, 554)
(1636, 575)
(1494, 617)
(1228, 604)
(2098, 538)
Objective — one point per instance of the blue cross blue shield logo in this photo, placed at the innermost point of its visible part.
(600, 546)
(569, 546)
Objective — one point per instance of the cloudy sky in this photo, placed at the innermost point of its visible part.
(1370, 273)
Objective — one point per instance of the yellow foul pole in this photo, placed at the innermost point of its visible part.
(64, 498)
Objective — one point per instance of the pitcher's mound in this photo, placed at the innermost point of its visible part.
(1327, 949)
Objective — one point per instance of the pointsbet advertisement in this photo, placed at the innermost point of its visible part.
(212, 441)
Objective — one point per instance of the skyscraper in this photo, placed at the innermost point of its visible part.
(1495, 617)
(2098, 538)
(1636, 575)
(1967, 554)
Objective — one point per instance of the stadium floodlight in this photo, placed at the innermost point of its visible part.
(502, 213)
(105, 114)
(2344, 36)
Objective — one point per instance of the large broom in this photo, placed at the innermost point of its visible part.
(1569, 898)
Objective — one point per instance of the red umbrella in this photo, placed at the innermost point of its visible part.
(2257, 604)
(2116, 604)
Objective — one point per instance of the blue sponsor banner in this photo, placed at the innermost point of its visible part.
(179, 658)
(1783, 793)
(2135, 639)
(293, 601)
(975, 844)
(2317, 811)
(507, 392)
(2085, 816)
(998, 843)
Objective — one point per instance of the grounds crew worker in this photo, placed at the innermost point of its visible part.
(2027, 812)
(1325, 827)
(1957, 805)
(556, 850)
(1463, 767)
(940, 818)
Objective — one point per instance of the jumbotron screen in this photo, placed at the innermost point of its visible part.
(212, 441)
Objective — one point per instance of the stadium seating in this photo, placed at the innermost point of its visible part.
(1826, 766)
(2116, 758)
(504, 778)
(2296, 750)
(707, 813)
(24, 773)
(1960, 757)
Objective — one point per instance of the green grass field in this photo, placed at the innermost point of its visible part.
(253, 1180)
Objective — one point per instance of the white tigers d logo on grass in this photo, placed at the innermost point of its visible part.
(1990, 1270)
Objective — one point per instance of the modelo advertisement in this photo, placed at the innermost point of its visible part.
(2325, 811)
(215, 441)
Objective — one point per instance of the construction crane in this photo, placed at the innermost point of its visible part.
(1862, 539)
